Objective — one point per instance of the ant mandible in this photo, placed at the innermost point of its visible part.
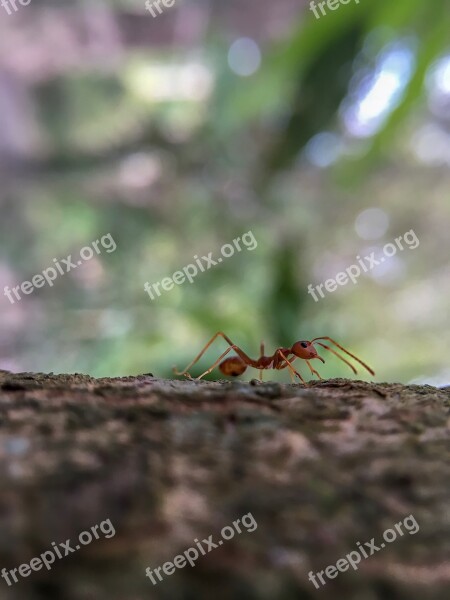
(280, 359)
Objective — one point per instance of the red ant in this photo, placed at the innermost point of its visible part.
(237, 365)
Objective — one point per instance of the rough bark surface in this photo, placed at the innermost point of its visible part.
(320, 468)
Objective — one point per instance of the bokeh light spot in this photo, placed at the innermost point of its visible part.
(371, 224)
(244, 57)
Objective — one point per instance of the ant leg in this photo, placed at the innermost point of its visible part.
(216, 362)
(283, 365)
(200, 354)
(290, 367)
(346, 352)
(312, 369)
(261, 352)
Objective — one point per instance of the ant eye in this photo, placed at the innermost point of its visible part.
(303, 344)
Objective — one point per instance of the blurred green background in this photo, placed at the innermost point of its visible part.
(327, 138)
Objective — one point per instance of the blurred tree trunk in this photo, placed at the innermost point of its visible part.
(320, 468)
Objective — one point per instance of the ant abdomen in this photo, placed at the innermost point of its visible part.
(233, 366)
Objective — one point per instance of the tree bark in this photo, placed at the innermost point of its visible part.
(320, 468)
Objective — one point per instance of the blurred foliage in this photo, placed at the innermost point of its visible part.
(167, 148)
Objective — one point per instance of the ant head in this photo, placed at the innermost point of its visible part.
(305, 350)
